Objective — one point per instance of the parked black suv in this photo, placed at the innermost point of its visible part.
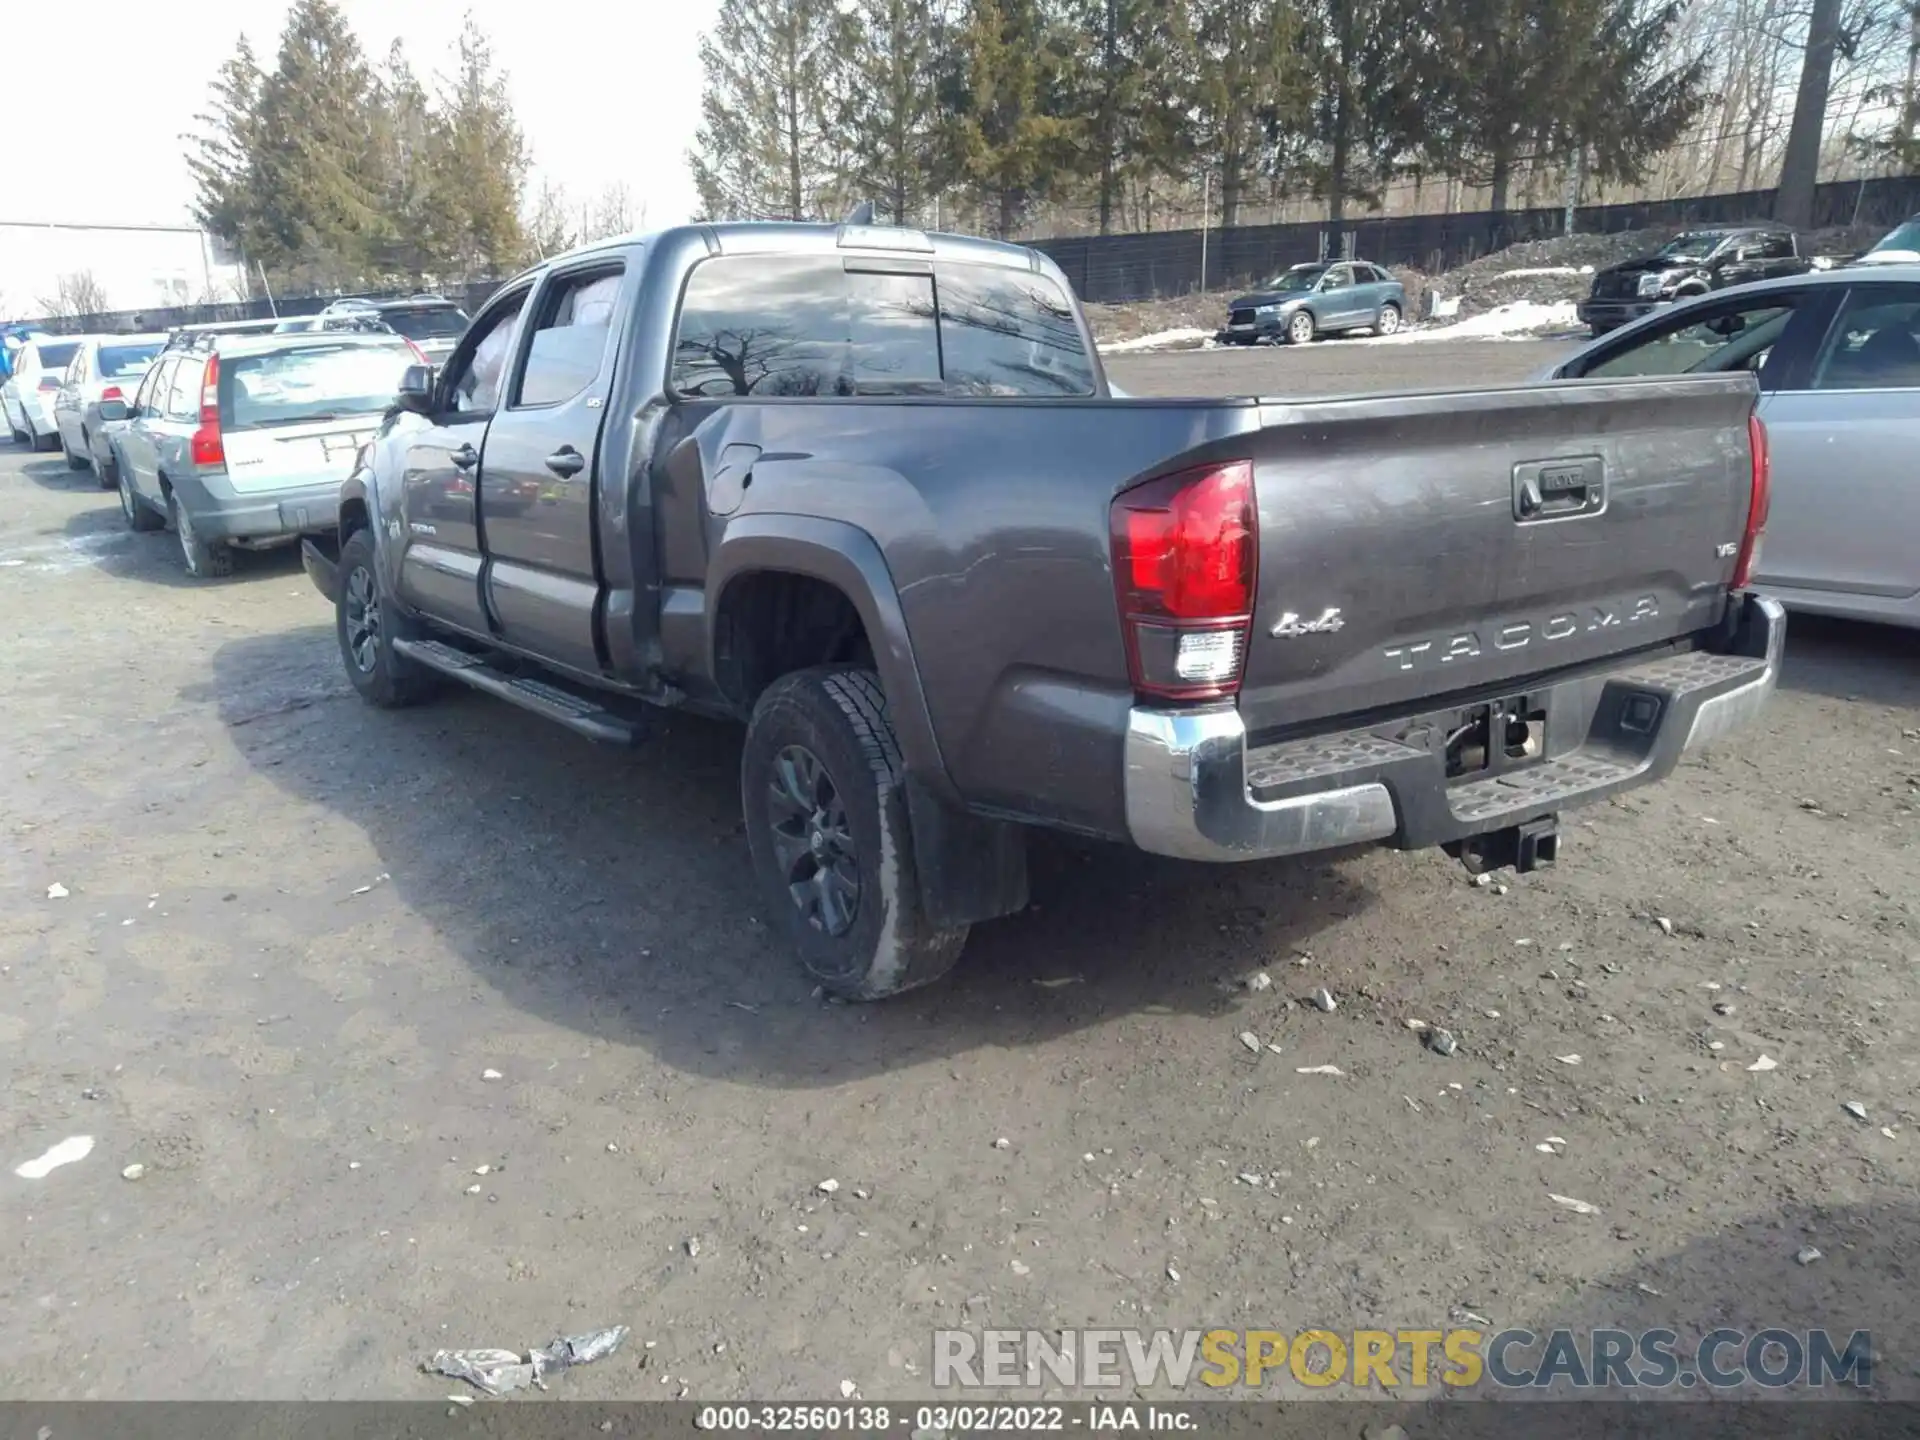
(1691, 264)
(432, 322)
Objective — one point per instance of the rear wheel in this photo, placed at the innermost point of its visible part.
(820, 780)
(42, 442)
(1301, 328)
(74, 462)
(1389, 321)
(205, 559)
(367, 627)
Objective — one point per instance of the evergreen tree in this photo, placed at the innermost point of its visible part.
(413, 242)
(1361, 118)
(1016, 141)
(315, 155)
(220, 155)
(479, 162)
(1506, 83)
(1251, 91)
(889, 104)
(1129, 90)
(766, 148)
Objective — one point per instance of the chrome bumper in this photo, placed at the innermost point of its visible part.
(1196, 791)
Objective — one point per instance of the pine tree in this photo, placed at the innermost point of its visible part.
(319, 210)
(1362, 115)
(220, 153)
(413, 243)
(765, 149)
(889, 103)
(1129, 91)
(479, 163)
(1505, 83)
(1251, 91)
(1016, 141)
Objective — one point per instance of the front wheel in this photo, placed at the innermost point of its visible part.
(367, 626)
(139, 515)
(1301, 328)
(826, 813)
(1389, 321)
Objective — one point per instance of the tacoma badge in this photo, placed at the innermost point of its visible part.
(1290, 624)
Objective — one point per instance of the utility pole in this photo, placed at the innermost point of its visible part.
(1206, 207)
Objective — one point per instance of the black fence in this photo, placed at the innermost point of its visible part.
(1109, 269)
(1116, 268)
(164, 317)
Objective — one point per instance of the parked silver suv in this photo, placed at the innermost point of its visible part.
(243, 440)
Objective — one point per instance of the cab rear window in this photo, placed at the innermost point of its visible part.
(58, 357)
(313, 382)
(805, 326)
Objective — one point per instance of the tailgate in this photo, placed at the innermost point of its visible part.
(1419, 546)
(284, 457)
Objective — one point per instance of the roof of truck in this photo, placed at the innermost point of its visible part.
(751, 236)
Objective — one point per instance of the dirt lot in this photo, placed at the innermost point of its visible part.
(297, 935)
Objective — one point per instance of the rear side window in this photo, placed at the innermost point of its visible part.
(314, 382)
(805, 326)
(571, 338)
(754, 325)
(1009, 332)
(433, 322)
(183, 396)
(124, 362)
(1875, 343)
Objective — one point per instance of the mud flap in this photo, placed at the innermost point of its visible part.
(971, 869)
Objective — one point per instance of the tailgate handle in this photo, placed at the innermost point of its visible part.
(1559, 489)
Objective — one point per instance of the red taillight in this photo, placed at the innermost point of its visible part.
(112, 392)
(1758, 504)
(1184, 549)
(208, 448)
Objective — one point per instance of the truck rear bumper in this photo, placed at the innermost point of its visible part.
(1196, 789)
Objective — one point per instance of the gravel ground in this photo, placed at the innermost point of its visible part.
(315, 965)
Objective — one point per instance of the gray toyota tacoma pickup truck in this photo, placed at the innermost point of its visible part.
(867, 490)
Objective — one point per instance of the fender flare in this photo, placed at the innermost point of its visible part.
(847, 558)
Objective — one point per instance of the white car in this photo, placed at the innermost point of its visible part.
(105, 367)
(39, 367)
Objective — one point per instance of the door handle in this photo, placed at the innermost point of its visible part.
(566, 462)
(465, 458)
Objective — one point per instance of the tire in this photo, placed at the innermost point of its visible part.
(1388, 322)
(139, 515)
(366, 626)
(204, 559)
(74, 462)
(42, 443)
(1302, 327)
(820, 782)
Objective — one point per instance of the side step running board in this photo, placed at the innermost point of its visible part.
(577, 712)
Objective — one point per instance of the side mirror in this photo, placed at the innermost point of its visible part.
(416, 390)
(113, 410)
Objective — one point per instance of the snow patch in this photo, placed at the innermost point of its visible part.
(1533, 271)
(1185, 339)
(1521, 320)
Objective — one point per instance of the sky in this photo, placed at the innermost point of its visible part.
(606, 92)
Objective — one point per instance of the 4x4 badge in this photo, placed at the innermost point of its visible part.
(1290, 624)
